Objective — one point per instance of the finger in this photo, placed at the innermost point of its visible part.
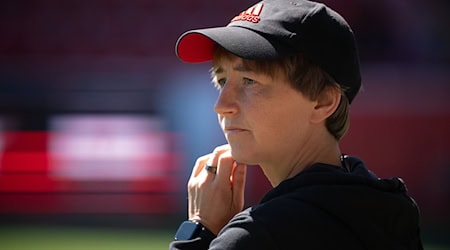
(225, 167)
(201, 175)
(214, 156)
(239, 171)
(209, 159)
(238, 184)
(199, 165)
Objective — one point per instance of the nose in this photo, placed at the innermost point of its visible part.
(226, 103)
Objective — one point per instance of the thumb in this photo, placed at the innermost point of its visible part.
(237, 179)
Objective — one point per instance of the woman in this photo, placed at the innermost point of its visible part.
(286, 73)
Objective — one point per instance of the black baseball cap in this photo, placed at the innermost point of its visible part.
(274, 29)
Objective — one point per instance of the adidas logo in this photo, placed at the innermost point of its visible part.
(250, 15)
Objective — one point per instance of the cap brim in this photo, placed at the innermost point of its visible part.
(197, 46)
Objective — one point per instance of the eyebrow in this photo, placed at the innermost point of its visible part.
(241, 67)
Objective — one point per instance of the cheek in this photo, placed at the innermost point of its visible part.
(276, 124)
(284, 122)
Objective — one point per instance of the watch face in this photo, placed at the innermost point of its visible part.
(188, 230)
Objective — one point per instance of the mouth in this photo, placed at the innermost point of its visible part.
(233, 130)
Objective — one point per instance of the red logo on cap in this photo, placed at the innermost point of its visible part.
(250, 15)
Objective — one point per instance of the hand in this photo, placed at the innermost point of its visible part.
(215, 198)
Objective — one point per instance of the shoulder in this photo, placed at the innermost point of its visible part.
(283, 223)
(244, 231)
(278, 224)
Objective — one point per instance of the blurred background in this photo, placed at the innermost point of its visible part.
(100, 123)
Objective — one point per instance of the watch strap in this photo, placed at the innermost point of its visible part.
(189, 230)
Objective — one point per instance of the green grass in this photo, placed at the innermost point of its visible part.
(66, 238)
(83, 238)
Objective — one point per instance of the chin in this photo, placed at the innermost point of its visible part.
(242, 155)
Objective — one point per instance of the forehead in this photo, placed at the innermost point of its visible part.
(230, 63)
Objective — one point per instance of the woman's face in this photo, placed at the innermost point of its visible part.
(264, 119)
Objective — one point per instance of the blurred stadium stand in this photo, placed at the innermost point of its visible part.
(104, 60)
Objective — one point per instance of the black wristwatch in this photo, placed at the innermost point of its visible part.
(189, 230)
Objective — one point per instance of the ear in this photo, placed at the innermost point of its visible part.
(326, 103)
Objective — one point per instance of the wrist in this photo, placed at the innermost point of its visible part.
(189, 230)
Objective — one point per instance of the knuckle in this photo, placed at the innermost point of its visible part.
(202, 159)
(191, 185)
(225, 158)
(221, 149)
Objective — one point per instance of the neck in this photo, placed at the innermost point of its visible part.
(327, 152)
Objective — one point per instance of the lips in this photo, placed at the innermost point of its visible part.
(232, 130)
(229, 127)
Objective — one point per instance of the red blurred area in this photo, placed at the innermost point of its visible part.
(30, 184)
(413, 147)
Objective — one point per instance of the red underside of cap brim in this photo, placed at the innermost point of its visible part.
(198, 45)
(195, 48)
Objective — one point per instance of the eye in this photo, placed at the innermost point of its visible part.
(220, 82)
(248, 81)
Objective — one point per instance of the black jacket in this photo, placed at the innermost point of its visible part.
(324, 207)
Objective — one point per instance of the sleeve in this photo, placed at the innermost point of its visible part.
(241, 233)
